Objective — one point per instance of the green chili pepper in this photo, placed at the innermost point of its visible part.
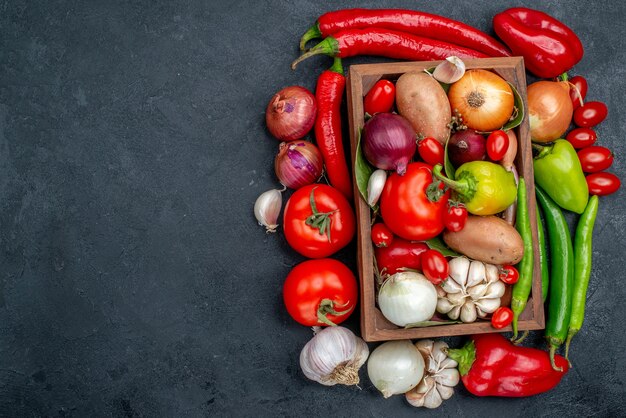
(558, 172)
(582, 269)
(521, 289)
(484, 187)
(543, 257)
(561, 274)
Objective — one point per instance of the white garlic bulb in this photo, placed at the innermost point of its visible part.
(267, 209)
(440, 376)
(375, 186)
(334, 355)
(471, 291)
(450, 70)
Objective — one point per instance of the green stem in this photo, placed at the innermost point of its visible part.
(465, 356)
(462, 186)
(329, 46)
(336, 67)
(564, 77)
(570, 335)
(319, 220)
(327, 307)
(542, 149)
(312, 33)
(554, 345)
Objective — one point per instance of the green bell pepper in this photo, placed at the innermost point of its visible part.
(559, 174)
(484, 187)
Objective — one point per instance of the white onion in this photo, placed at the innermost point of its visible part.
(395, 367)
(407, 298)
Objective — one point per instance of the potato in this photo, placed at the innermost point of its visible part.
(488, 239)
(421, 100)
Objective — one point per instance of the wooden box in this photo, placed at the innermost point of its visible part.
(374, 326)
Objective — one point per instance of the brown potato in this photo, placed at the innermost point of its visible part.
(421, 100)
(488, 239)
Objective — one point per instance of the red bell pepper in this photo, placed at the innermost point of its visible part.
(548, 46)
(490, 365)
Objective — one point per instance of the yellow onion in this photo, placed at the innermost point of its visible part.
(484, 100)
(550, 110)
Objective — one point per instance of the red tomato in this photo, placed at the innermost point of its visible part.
(497, 145)
(603, 184)
(595, 158)
(435, 266)
(509, 275)
(455, 217)
(400, 254)
(381, 235)
(323, 287)
(577, 90)
(431, 151)
(325, 233)
(582, 137)
(590, 114)
(406, 209)
(502, 317)
(380, 98)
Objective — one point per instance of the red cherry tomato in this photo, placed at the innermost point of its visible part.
(502, 317)
(497, 145)
(324, 234)
(595, 158)
(577, 90)
(381, 235)
(405, 207)
(380, 98)
(509, 274)
(455, 217)
(603, 184)
(582, 137)
(431, 151)
(325, 287)
(590, 114)
(435, 266)
(400, 254)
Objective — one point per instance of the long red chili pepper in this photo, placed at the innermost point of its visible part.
(328, 94)
(386, 43)
(410, 21)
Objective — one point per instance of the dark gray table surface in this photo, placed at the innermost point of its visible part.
(134, 280)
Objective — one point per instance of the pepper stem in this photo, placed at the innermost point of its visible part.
(336, 67)
(554, 344)
(327, 307)
(463, 186)
(329, 46)
(465, 356)
(312, 33)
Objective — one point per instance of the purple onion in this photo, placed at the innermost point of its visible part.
(389, 142)
(298, 163)
(465, 146)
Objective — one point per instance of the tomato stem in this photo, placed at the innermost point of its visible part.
(327, 307)
(319, 220)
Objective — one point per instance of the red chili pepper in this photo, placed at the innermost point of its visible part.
(490, 365)
(330, 87)
(548, 46)
(409, 21)
(386, 43)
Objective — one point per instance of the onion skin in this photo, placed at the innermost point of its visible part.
(465, 146)
(550, 110)
(291, 112)
(298, 163)
(484, 99)
(389, 142)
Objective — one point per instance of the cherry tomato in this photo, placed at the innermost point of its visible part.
(381, 235)
(435, 266)
(603, 184)
(380, 98)
(502, 317)
(578, 84)
(590, 114)
(509, 274)
(455, 217)
(406, 209)
(595, 158)
(319, 234)
(431, 151)
(497, 145)
(400, 254)
(323, 287)
(582, 137)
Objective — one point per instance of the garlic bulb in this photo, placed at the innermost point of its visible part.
(334, 355)
(267, 208)
(450, 71)
(375, 186)
(472, 290)
(440, 376)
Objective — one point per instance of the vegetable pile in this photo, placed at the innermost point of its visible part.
(453, 218)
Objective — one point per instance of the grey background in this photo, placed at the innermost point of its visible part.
(134, 280)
